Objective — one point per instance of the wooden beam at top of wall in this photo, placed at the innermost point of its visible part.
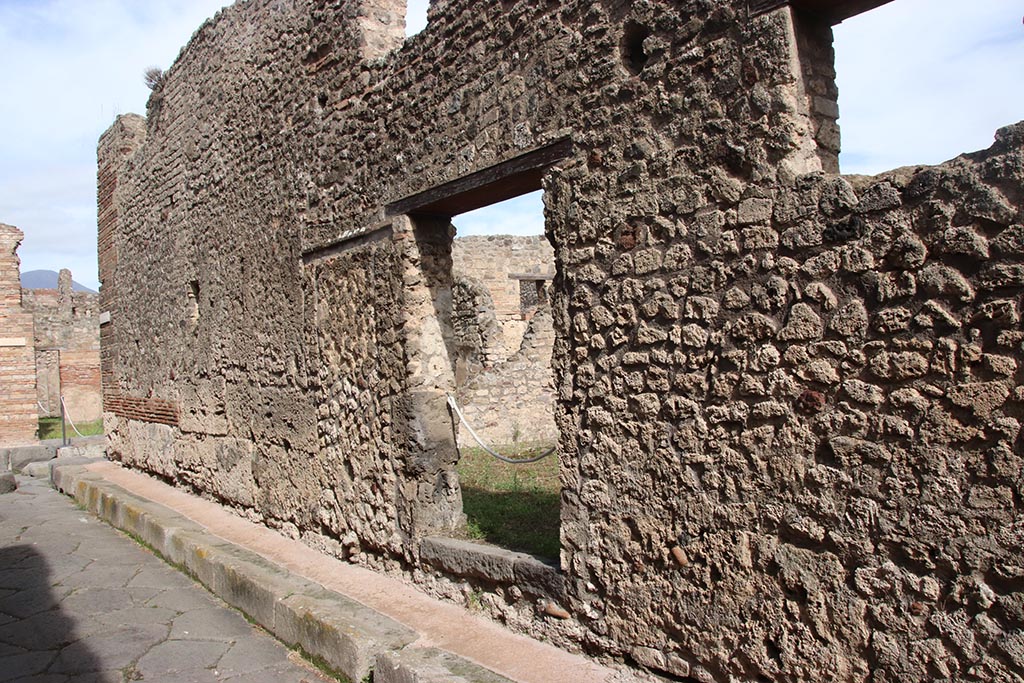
(517, 176)
(832, 11)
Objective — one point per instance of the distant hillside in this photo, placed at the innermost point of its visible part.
(47, 279)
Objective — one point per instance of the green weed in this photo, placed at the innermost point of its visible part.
(514, 506)
(49, 428)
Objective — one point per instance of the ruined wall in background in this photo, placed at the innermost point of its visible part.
(18, 414)
(789, 406)
(504, 337)
(501, 263)
(67, 340)
(513, 400)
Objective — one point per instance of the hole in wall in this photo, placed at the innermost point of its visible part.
(634, 57)
(416, 17)
(193, 302)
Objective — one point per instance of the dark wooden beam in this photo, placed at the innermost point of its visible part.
(531, 276)
(491, 185)
(832, 11)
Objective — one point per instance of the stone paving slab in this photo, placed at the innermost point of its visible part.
(80, 602)
(354, 619)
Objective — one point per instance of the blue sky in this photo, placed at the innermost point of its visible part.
(920, 82)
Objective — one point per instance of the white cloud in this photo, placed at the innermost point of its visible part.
(67, 68)
(921, 81)
(520, 216)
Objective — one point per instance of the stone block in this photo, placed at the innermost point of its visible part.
(346, 635)
(7, 482)
(430, 665)
(18, 458)
(462, 558)
(39, 470)
(538, 578)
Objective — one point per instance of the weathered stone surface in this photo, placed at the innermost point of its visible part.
(18, 409)
(816, 423)
(7, 482)
(804, 324)
(429, 665)
(981, 397)
(462, 558)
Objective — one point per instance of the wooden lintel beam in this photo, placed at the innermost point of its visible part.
(512, 178)
(531, 276)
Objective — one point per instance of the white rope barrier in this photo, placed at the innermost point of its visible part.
(455, 407)
(68, 416)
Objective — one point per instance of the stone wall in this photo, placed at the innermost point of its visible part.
(503, 264)
(513, 401)
(67, 342)
(788, 403)
(18, 415)
(504, 337)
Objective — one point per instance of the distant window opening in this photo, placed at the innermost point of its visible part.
(931, 93)
(533, 296)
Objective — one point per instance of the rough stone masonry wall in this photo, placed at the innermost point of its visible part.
(788, 407)
(67, 341)
(18, 416)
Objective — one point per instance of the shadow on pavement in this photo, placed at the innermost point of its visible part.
(34, 632)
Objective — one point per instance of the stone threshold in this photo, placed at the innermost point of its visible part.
(495, 566)
(359, 622)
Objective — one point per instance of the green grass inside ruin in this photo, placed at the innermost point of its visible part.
(49, 428)
(512, 506)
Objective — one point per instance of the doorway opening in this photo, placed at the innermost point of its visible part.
(503, 268)
(495, 316)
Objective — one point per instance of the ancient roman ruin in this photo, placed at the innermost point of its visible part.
(67, 344)
(787, 402)
(503, 337)
(50, 348)
(19, 417)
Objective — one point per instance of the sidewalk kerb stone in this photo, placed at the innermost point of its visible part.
(430, 665)
(347, 635)
(343, 633)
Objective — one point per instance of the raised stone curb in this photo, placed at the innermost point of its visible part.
(15, 459)
(430, 665)
(350, 637)
(39, 470)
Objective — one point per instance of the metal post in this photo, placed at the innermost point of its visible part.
(63, 424)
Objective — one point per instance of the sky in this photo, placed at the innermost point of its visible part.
(920, 82)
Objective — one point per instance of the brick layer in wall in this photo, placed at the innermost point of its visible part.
(143, 409)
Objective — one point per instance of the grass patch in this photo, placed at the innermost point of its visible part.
(513, 506)
(49, 428)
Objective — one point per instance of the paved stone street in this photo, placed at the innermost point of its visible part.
(80, 601)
